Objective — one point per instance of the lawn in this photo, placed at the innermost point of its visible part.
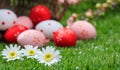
(100, 53)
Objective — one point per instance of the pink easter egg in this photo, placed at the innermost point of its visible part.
(32, 37)
(84, 30)
(7, 19)
(25, 21)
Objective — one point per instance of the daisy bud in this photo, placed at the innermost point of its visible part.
(70, 21)
(109, 1)
(104, 6)
(73, 2)
(98, 5)
(89, 14)
(61, 1)
(74, 15)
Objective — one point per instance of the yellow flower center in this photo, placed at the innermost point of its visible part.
(31, 52)
(48, 57)
(13, 54)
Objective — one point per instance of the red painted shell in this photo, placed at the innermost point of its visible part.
(13, 32)
(65, 37)
(39, 13)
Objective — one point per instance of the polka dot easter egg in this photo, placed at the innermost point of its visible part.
(12, 33)
(39, 13)
(32, 37)
(65, 37)
(7, 19)
(48, 27)
(25, 21)
(83, 30)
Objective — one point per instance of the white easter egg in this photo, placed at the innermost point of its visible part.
(7, 19)
(32, 37)
(48, 27)
(25, 21)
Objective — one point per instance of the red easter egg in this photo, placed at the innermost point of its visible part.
(39, 13)
(65, 37)
(12, 33)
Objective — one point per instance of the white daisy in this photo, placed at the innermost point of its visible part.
(30, 51)
(49, 56)
(12, 52)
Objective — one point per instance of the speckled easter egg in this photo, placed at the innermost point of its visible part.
(48, 27)
(12, 33)
(32, 37)
(7, 19)
(65, 37)
(84, 30)
(25, 21)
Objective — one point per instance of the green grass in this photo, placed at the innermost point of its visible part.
(101, 53)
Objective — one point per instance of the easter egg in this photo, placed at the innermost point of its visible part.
(32, 37)
(7, 19)
(12, 33)
(48, 27)
(65, 37)
(25, 21)
(83, 30)
(39, 13)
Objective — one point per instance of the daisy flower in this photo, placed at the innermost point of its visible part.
(30, 51)
(49, 56)
(12, 52)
